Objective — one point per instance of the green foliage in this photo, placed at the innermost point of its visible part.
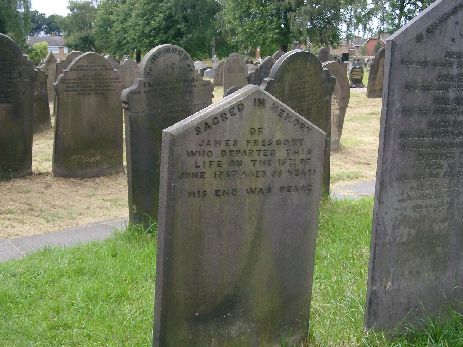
(78, 26)
(41, 24)
(399, 12)
(15, 19)
(122, 27)
(38, 52)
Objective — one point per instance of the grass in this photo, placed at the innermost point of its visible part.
(102, 293)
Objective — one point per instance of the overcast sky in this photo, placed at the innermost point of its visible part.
(50, 6)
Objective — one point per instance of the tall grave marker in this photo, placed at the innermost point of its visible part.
(41, 110)
(298, 80)
(416, 264)
(49, 67)
(376, 76)
(235, 72)
(240, 192)
(167, 91)
(16, 110)
(88, 129)
(128, 71)
(339, 101)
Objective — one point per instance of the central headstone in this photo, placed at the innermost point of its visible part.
(49, 67)
(262, 72)
(16, 110)
(41, 109)
(298, 80)
(64, 64)
(128, 71)
(240, 193)
(235, 72)
(88, 128)
(416, 264)
(356, 77)
(167, 91)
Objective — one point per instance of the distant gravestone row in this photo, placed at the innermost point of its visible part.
(298, 80)
(376, 76)
(154, 102)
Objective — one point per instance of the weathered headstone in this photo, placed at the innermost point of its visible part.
(88, 134)
(41, 110)
(113, 61)
(416, 263)
(228, 271)
(324, 54)
(298, 80)
(49, 67)
(128, 71)
(262, 72)
(339, 101)
(376, 76)
(356, 77)
(235, 72)
(277, 55)
(218, 76)
(16, 110)
(64, 64)
(167, 91)
(231, 90)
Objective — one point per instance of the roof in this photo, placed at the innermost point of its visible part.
(54, 41)
(358, 41)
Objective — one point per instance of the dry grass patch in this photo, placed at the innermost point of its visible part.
(360, 139)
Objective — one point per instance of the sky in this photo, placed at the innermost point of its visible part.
(50, 6)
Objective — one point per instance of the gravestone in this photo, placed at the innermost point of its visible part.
(41, 110)
(199, 65)
(339, 101)
(168, 90)
(231, 90)
(218, 76)
(88, 128)
(16, 110)
(324, 55)
(277, 55)
(209, 73)
(262, 72)
(64, 64)
(376, 76)
(298, 80)
(128, 71)
(235, 72)
(113, 61)
(49, 67)
(356, 77)
(416, 263)
(228, 271)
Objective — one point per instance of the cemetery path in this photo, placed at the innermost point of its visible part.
(353, 191)
(15, 248)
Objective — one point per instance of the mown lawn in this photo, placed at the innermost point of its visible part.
(101, 294)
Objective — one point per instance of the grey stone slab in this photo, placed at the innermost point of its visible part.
(235, 72)
(129, 72)
(88, 135)
(41, 110)
(64, 64)
(262, 72)
(49, 67)
(353, 191)
(416, 263)
(299, 80)
(324, 55)
(113, 61)
(167, 91)
(376, 75)
(239, 199)
(339, 101)
(17, 78)
(356, 77)
(218, 76)
(277, 55)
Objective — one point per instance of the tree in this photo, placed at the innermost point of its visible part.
(399, 12)
(38, 52)
(78, 26)
(15, 19)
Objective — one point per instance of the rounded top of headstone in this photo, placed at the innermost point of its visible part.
(72, 55)
(380, 55)
(234, 56)
(324, 54)
(166, 51)
(50, 59)
(8, 41)
(342, 88)
(90, 57)
(277, 55)
(128, 62)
